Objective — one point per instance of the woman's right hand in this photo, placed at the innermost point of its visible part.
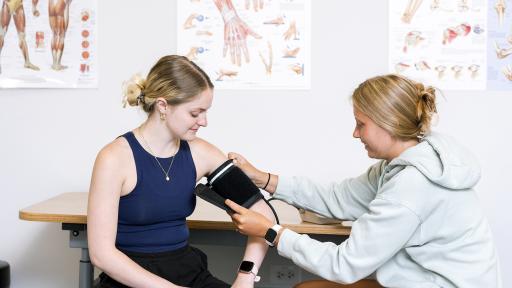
(257, 176)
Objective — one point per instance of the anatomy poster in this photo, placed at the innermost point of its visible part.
(442, 43)
(499, 52)
(248, 44)
(48, 44)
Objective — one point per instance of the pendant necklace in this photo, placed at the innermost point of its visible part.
(166, 172)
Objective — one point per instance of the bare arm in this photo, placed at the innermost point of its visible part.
(108, 177)
(207, 158)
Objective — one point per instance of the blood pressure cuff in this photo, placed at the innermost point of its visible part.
(229, 182)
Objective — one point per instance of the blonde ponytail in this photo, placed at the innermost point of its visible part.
(425, 109)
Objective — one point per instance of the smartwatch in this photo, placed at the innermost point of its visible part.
(271, 235)
(248, 267)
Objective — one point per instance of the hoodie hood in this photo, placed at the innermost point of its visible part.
(443, 161)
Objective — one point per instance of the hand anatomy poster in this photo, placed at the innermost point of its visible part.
(442, 43)
(48, 44)
(248, 44)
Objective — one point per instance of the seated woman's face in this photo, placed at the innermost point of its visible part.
(185, 119)
(377, 141)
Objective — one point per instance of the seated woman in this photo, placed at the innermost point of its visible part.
(142, 187)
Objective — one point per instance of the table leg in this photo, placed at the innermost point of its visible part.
(86, 273)
(78, 239)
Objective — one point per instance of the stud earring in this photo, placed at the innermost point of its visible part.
(162, 116)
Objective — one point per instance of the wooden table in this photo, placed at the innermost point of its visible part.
(70, 209)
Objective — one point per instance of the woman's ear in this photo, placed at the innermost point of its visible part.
(161, 104)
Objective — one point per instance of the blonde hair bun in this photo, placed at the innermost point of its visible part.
(132, 90)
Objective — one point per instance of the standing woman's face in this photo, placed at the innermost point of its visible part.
(377, 141)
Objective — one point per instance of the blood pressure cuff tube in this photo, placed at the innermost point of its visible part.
(229, 182)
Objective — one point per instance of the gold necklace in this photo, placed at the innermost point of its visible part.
(166, 173)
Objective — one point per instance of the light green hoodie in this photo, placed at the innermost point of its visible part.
(417, 222)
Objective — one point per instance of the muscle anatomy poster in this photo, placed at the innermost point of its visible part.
(248, 44)
(443, 43)
(48, 44)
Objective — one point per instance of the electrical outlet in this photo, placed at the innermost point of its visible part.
(284, 274)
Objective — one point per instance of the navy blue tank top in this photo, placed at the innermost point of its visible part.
(152, 217)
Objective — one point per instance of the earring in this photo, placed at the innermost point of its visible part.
(162, 116)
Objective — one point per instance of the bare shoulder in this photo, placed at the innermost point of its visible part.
(206, 156)
(114, 154)
(111, 169)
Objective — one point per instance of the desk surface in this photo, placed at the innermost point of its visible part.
(71, 207)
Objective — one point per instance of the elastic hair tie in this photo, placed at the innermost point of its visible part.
(140, 98)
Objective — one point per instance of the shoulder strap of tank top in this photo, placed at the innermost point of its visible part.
(136, 148)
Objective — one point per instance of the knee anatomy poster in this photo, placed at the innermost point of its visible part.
(452, 44)
(48, 44)
(248, 44)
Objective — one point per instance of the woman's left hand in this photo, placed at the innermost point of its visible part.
(249, 222)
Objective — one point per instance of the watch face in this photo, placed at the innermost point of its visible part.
(246, 266)
(271, 235)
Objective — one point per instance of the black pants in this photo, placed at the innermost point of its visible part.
(187, 266)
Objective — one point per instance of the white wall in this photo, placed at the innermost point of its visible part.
(50, 137)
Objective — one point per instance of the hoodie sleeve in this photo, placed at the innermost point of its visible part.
(346, 200)
(375, 238)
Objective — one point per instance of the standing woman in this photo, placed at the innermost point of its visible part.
(417, 218)
(142, 186)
